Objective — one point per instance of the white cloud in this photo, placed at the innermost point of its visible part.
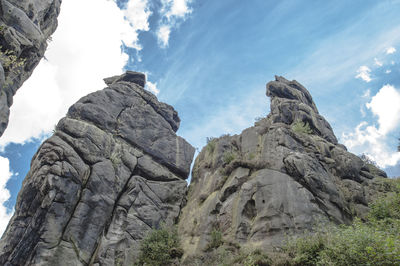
(368, 140)
(137, 12)
(152, 87)
(364, 73)
(388, 71)
(163, 35)
(390, 50)
(176, 8)
(373, 140)
(84, 50)
(172, 13)
(5, 175)
(386, 105)
(377, 62)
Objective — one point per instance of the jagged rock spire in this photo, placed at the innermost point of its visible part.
(273, 179)
(113, 170)
(291, 102)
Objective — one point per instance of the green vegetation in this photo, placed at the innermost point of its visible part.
(211, 143)
(374, 241)
(115, 158)
(387, 209)
(160, 247)
(252, 258)
(216, 240)
(228, 157)
(301, 127)
(10, 61)
(252, 156)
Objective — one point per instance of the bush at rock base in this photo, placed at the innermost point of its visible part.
(160, 247)
(375, 241)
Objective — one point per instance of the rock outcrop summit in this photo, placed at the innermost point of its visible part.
(113, 170)
(25, 29)
(283, 176)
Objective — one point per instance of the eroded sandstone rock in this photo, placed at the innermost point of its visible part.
(113, 170)
(273, 180)
(25, 28)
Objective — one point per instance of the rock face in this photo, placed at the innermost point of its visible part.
(25, 28)
(283, 176)
(113, 170)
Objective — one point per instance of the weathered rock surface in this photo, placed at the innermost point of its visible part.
(25, 28)
(113, 170)
(274, 179)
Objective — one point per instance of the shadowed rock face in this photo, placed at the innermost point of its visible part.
(25, 27)
(113, 170)
(273, 180)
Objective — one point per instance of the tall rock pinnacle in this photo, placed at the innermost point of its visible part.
(25, 28)
(113, 170)
(282, 176)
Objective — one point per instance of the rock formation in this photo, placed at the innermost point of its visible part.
(282, 176)
(25, 28)
(113, 169)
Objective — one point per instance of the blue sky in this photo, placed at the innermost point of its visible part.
(211, 61)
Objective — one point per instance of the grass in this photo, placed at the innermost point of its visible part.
(301, 127)
(211, 144)
(374, 241)
(10, 61)
(216, 240)
(228, 157)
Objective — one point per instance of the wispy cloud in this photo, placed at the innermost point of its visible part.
(173, 12)
(367, 93)
(5, 175)
(364, 73)
(377, 62)
(390, 50)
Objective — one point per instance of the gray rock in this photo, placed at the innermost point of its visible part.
(26, 26)
(272, 180)
(101, 182)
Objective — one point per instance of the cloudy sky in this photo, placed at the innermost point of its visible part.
(211, 60)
